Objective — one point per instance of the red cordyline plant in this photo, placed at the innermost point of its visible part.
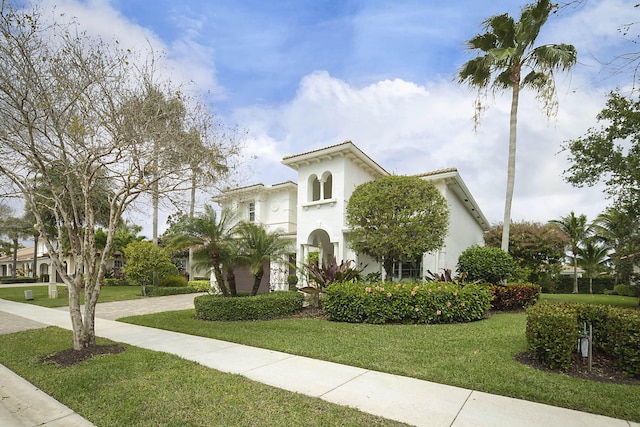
(325, 274)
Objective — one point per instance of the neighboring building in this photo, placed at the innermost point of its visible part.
(24, 265)
(312, 213)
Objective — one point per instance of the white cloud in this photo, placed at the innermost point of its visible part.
(185, 61)
(409, 128)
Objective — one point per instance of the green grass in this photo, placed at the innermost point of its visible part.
(478, 356)
(41, 295)
(591, 299)
(145, 388)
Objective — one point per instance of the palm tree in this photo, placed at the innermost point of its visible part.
(506, 53)
(618, 230)
(210, 234)
(257, 247)
(16, 228)
(593, 258)
(575, 227)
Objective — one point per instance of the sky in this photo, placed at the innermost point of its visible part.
(300, 75)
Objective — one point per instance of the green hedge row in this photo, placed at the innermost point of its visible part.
(20, 279)
(259, 307)
(514, 296)
(161, 291)
(116, 282)
(434, 302)
(173, 281)
(564, 285)
(203, 285)
(552, 333)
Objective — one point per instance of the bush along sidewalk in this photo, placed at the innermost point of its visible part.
(390, 302)
(552, 333)
(259, 307)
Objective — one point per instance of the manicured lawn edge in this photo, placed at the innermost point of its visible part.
(478, 355)
(140, 387)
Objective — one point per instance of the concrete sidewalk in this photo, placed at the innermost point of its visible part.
(409, 400)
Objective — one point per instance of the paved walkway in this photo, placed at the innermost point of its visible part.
(409, 400)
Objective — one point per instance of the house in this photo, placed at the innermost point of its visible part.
(25, 261)
(312, 213)
(44, 267)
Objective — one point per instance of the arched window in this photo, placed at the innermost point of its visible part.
(314, 188)
(328, 186)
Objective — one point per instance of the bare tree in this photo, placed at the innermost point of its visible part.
(67, 104)
(211, 150)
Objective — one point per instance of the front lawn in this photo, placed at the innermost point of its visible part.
(591, 299)
(478, 356)
(145, 388)
(41, 295)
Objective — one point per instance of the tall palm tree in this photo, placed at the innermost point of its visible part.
(575, 227)
(506, 52)
(257, 247)
(210, 234)
(593, 258)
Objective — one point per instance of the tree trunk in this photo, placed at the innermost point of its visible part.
(388, 269)
(35, 256)
(83, 328)
(511, 163)
(231, 279)
(220, 279)
(256, 282)
(575, 274)
(591, 285)
(15, 258)
(192, 208)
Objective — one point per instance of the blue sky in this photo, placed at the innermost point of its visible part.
(299, 75)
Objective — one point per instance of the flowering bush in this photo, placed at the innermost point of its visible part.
(434, 302)
(514, 296)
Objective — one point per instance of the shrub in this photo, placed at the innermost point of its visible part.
(161, 291)
(292, 281)
(202, 285)
(623, 333)
(434, 302)
(173, 281)
(625, 290)
(484, 263)
(19, 279)
(552, 333)
(115, 282)
(514, 296)
(259, 307)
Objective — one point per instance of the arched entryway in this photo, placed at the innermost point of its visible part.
(319, 242)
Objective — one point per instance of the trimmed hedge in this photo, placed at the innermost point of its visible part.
(161, 291)
(116, 282)
(514, 296)
(564, 285)
(203, 285)
(259, 307)
(19, 279)
(173, 281)
(390, 302)
(552, 332)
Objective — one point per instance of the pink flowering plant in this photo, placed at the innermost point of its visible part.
(390, 302)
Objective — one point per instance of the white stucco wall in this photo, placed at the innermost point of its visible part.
(464, 231)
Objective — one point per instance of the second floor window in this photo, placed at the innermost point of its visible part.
(252, 211)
